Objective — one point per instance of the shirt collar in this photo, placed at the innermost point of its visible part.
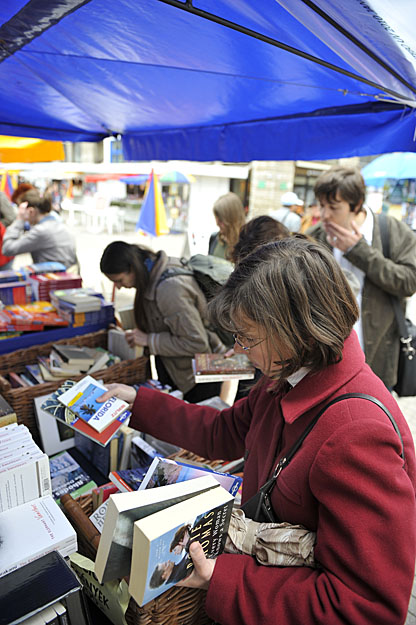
(314, 388)
(296, 377)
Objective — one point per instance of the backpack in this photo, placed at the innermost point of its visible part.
(210, 272)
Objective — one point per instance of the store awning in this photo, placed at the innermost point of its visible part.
(212, 80)
(28, 150)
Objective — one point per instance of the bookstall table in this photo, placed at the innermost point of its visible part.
(46, 336)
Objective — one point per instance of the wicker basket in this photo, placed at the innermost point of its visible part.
(21, 399)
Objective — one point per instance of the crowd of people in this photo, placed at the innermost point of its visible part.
(309, 303)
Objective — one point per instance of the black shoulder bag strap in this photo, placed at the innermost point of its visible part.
(405, 339)
(258, 507)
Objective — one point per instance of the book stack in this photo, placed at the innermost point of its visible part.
(15, 292)
(30, 317)
(82, 306)
(67, 476)
(43, 284)
(12, 275)
(24, 468)
(149, 531)
(46, 267)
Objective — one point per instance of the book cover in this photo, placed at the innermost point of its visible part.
(34, 372)
(214, 367)
(128, 480)
(114, 550)
(104, 459)
(82, 401)
(32, 530)
(7, 413)
(54, 407)
(25, 483)
(161, 541)
(164, 471)
(49, 574)
(82, 299)
(142, 453)
(68, 477)
(101, 493)
(46, 371)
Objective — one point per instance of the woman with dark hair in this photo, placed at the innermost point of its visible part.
(170, 313)
(352, 479)
(256, 232)
(230, 216)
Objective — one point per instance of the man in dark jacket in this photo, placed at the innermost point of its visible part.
(352, 231)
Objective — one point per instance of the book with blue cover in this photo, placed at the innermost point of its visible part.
(81, 399)
(160, 557)
(165, 471)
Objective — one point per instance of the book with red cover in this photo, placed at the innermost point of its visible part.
(214, 367)
(61, 412)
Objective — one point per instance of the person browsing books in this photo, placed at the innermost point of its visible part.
(293, 313)
(170, 313)
(47, 239)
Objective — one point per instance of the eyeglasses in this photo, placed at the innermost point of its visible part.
(246, 347)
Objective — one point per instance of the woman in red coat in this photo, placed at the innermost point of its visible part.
(293, 312)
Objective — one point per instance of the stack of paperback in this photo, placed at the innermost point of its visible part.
(12, 275)
(146, 533)
(43, 284)
(31, 317)
(16, 292)
(46, 267)
(82, 306)
(24, 468)
(99, 425)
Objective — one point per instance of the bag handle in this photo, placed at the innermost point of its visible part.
(283, 462)
(405, 339)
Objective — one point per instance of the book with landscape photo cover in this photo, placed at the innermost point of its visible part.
(164, 471)
(161, 541)
(81, 399)
(114, 551)
(67, 476)
(214, 367)
(54, 407)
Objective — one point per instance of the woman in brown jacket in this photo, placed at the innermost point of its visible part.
(170, 314)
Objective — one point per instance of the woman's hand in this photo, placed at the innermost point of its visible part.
(204, 568)
(342, 238)
(122, 391)
(136, 337)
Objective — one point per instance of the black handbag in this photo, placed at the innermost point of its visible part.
(259, 508)
(406, 373)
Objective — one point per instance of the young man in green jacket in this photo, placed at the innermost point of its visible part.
(352, 231)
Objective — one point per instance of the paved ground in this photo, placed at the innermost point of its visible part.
(90, 246)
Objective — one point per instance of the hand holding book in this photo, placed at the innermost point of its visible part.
(202, 571)
(121, 391)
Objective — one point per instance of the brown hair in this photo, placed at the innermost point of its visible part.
(20, 190)
(120, 257)
(35, 200)
(179, 535)
(347, 181)
(296, 292)
(257, 232)
(229, 210)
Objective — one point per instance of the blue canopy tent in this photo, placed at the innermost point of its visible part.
(211, 79)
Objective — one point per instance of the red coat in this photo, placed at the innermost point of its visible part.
(346, 482)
